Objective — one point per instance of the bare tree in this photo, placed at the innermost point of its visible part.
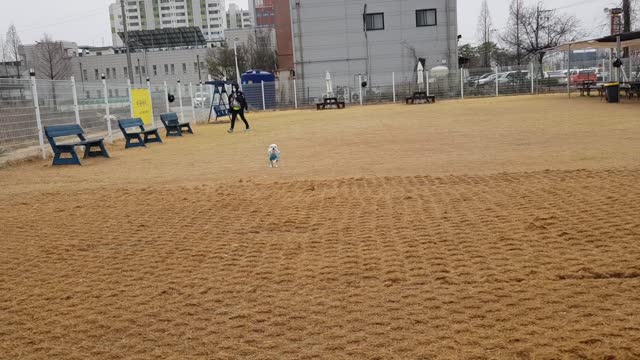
(13, 44)
(546, 29)
(260, 52)
(484, 33)
(3, 50)
(512, 36)
(221, 61)
(51, 60)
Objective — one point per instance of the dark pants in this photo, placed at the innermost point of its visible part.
(234, 115)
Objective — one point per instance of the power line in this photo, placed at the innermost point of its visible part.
(66, 20)
(575, 4)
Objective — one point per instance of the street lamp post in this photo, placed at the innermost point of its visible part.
(235, 51)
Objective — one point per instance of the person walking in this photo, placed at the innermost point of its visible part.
(237, 105)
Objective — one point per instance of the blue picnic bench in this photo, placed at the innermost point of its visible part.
(221, 111)
(56, 131)
(150, 135)
(173, 125)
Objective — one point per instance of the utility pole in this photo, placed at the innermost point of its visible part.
(126, 41)
(626, 9)
(518, 18)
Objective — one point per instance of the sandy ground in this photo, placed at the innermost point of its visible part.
(485, 229)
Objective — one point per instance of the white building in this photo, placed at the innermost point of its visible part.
(238, 18)
(209, 15)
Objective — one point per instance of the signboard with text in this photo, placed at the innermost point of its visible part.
(142, 108)
(616, 22)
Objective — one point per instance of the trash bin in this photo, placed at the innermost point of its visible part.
(613, 92)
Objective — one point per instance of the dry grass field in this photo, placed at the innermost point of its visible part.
(481, 229)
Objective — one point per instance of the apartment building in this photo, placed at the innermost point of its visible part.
(264, 12)
(238, 18)
(209, 15)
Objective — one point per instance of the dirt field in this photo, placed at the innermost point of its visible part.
(485, 229)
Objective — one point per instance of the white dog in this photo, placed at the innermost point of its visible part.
(274, 155)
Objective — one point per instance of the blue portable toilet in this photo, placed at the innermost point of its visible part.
(252, 87)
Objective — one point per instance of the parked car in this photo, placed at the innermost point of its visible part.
(485, 79)
(478, 79)
(578, 76)
(510, 78)
(200, 99)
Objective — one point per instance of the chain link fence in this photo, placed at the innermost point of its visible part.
(28, 105)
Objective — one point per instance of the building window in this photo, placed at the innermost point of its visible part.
(110, 93)
(108, 73)
(97, 74)
(166, 69)
(173, 69)
(85, 75)
(375, 21)
(427, 17)
(144, 71)
(113, 72)
(117, 95)
(137, 70)
(155, 70)
(126, 73)
(184, 68)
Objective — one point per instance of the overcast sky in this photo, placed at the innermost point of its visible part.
(86, 22)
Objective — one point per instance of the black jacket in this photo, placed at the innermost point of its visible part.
(239, 96)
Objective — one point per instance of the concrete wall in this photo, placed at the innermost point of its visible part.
(329, 36)
(99, 64)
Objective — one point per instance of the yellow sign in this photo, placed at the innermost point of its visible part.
(142, 107)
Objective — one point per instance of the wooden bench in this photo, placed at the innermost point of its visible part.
(150, 135)
(420, 96)
(53, 132)
(634, 90)
(330, 101)
(173, 125)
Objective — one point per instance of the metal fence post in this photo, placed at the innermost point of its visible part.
(393, 80)
(531, 73)
(153, 120)
(75, 99)
(427, 73)
(496, 80)
(180, 98)
(130, 98)
(264, 104)
(462, 83)
(106, 110)
(34, 90)
(166, 96)
(193, 108)
(360, 87)
(295, 94)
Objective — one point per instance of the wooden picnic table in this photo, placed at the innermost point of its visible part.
(633, 89)
(420, 96)
(330, 101)
(586, 87)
